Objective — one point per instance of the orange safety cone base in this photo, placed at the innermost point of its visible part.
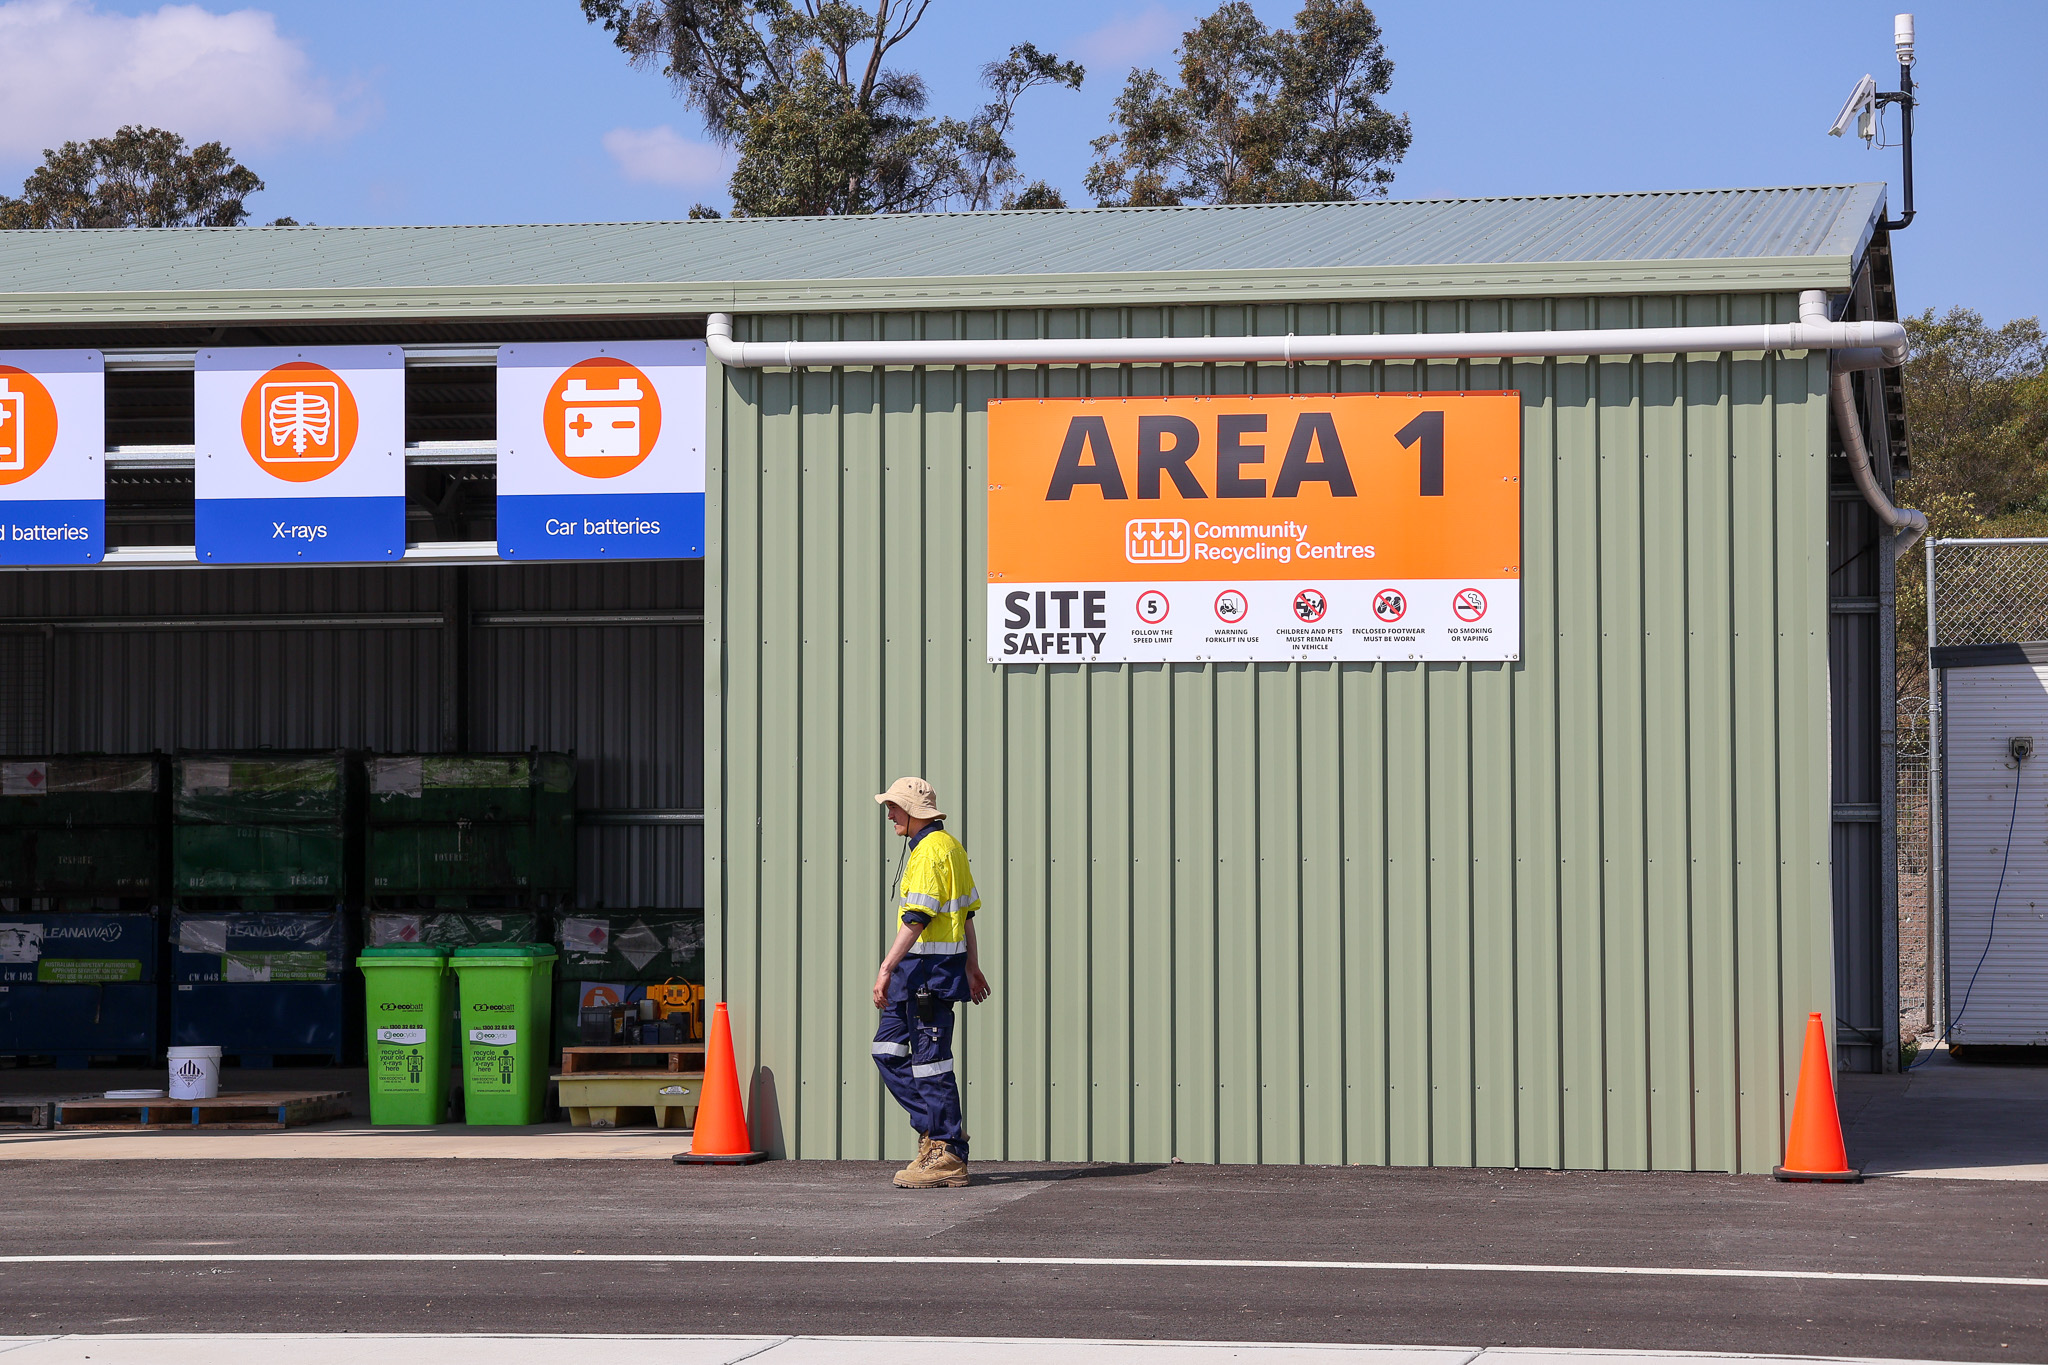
(720, 1136)
(1849, 1177)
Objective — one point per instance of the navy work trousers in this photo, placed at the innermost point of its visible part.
(914, 1049)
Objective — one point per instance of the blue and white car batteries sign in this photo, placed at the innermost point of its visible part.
(601, 450)
(301, 455)
(53, 486)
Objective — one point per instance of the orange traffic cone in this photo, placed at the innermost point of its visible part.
(720, 1137)
(1814, 1150)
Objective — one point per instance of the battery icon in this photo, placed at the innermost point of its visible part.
(13, 428)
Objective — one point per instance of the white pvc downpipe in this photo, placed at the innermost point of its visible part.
(1855, 346)
(1813, 332)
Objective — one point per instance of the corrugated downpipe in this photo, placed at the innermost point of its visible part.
(1854, 345)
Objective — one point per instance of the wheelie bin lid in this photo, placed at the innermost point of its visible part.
(501, 950)
(405, 950)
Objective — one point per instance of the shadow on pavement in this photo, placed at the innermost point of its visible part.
(1043, 1174)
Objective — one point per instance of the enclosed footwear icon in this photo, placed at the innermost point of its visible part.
(601, 423)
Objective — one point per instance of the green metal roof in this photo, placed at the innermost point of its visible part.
(1800, 237)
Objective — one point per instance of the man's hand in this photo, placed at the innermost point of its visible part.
(977, 985)
(882, 990)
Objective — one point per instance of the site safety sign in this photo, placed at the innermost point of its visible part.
(53, 486)
(300, 455)
(601, 450)
(1348, 527)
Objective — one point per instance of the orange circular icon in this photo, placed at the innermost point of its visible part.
(602, 417)
(28, 424)
(299, 421)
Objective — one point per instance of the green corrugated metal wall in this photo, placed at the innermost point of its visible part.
(1567, 912)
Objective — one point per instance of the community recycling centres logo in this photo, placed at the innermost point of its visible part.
(299, 421)
(28, 424)
(602, 417)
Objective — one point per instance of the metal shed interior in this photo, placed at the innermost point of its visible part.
(1566, 912)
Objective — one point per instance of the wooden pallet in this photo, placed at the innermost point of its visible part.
(681, 1057)
(30, 1111)
(600, 1099)
(271, 1109)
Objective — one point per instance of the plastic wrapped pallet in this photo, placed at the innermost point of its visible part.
(626, 950)
(260, 984)
(79, 984)
(455, 928)
(471, 824)
(79, 827)
(260, 824)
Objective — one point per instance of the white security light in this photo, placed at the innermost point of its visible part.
(1902, 37)
(1862, 106)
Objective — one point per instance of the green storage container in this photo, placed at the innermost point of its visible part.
(467, 824)
(79, 827)
(285, 860)
(406, 1000)
(505, 991)
(261, 824)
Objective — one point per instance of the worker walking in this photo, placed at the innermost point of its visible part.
(933, 963)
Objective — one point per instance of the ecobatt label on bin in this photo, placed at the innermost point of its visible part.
(601, 450)
(1347, 527)
(53, 485)
(301, 455)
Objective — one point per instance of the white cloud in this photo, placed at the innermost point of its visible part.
(662, 156)
(1132, 39)
(73, 72)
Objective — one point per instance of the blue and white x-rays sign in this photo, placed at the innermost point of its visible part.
(53, 436)
(301, 455)
(601, 450)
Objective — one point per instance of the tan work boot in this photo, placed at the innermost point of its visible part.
(924, 1144)
(937, 1167)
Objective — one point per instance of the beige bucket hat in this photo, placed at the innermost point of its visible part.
(916, 797)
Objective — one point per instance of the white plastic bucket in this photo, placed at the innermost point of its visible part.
(195, 1073)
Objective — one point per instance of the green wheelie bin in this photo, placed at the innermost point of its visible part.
(405, 998)
(505, 989)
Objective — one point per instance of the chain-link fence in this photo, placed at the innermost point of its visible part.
(1916, 851)
(1990, 591)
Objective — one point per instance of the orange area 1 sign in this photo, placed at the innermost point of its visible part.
(1325, 526)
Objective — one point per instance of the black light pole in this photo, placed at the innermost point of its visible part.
(1902, 37)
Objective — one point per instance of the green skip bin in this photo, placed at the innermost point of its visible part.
(505, 989)
(405, 996)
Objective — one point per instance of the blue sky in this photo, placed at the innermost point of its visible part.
(449, 111)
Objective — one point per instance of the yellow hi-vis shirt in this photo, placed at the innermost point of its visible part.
(938, 896)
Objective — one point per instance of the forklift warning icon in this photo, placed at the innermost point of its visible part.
(602, 417)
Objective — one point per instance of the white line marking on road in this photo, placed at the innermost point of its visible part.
(1089, 1262)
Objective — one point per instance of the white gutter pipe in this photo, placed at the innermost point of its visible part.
(1856, 345)
(1813, 332)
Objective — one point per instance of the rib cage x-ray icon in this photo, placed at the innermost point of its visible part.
(300, 422)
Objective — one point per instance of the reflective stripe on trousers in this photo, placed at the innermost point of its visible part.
(915, 1057)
